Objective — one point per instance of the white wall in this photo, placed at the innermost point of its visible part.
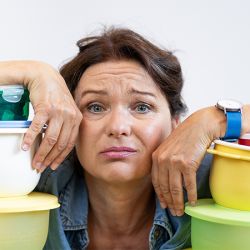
(211, 38)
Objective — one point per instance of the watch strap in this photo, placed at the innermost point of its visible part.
(233, 129)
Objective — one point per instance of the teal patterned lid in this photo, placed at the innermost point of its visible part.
(14, 103)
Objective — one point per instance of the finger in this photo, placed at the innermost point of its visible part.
(42, 169)
(48, 142)
(67, 150)
(163, 176)
(64, 143)
(155, 182)
(175, 180)
(35, 128)
(190, 185)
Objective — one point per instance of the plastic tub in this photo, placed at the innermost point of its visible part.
(14, 103)
(17, 177)
(214, 227)
(244, 140)
(230, 175)
(25, 220)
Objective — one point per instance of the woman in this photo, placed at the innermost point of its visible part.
(129, 94)
(128, 91)
(179, 156)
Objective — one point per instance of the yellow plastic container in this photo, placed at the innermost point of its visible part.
(230, 175)
(24, 221)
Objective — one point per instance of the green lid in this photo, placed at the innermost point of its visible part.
(208, 210)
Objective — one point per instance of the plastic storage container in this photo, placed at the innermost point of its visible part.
(14, 103)
(230, 175)
(24, 221)
(244, 140)
(17, 177)
(214, 227)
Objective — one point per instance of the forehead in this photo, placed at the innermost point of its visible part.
(117, 74)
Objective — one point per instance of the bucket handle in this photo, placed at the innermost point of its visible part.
(228, 155)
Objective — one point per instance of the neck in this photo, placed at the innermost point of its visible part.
(121, 208)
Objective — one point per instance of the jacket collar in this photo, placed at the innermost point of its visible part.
(74, 206)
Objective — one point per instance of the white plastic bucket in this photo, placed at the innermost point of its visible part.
(17, 177)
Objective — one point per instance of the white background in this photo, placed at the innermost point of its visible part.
(211, 38)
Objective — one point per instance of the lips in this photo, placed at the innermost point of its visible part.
(118, 152)
(119, 149)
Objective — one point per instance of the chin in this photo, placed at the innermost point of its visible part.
(123, 174)
(118, 172)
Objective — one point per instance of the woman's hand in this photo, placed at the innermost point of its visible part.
(53, 105)
(177, 159)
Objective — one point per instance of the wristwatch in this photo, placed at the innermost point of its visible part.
(232, 110)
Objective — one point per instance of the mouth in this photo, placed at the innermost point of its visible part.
(118, 152)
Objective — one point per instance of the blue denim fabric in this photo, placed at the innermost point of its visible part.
(68, 224)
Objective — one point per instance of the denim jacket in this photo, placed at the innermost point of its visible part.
(68, 224)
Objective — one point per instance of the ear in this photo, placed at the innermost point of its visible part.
(175, 122)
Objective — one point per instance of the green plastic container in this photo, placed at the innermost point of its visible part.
(14, 103)
(214, 227)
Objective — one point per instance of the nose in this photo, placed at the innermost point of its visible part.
(119, 123)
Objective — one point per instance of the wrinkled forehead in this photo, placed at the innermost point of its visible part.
(122, 76)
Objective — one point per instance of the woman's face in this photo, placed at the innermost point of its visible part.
(125, 118)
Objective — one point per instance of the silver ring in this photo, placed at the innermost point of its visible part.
(45, 126)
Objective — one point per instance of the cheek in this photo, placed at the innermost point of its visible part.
(88, 139)
(87, 131)
(85, 141)
(155, 133)
(81, 135)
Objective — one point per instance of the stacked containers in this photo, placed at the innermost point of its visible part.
(224, 221)
(24, 214)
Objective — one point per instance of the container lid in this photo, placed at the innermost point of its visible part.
(244, 139)
(14, 124)
(12, 93)
(10, 86)
(14, 127)
(32, 202)
(208, 210)
(232, 145)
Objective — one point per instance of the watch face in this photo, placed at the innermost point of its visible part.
(229, 104)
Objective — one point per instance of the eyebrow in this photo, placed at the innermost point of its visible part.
(104, 92)
(135, 91)
(97, 92)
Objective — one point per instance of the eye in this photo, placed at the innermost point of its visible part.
(142, 108)
(95, 108)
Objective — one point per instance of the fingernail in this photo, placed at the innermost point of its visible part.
(54, 166)
(192, 203)
(25, 147)
(172, 212)
(179, 212)
(42, 168)
(163, 205)
(38, 165)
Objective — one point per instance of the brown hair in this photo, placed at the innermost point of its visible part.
(118, 44)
